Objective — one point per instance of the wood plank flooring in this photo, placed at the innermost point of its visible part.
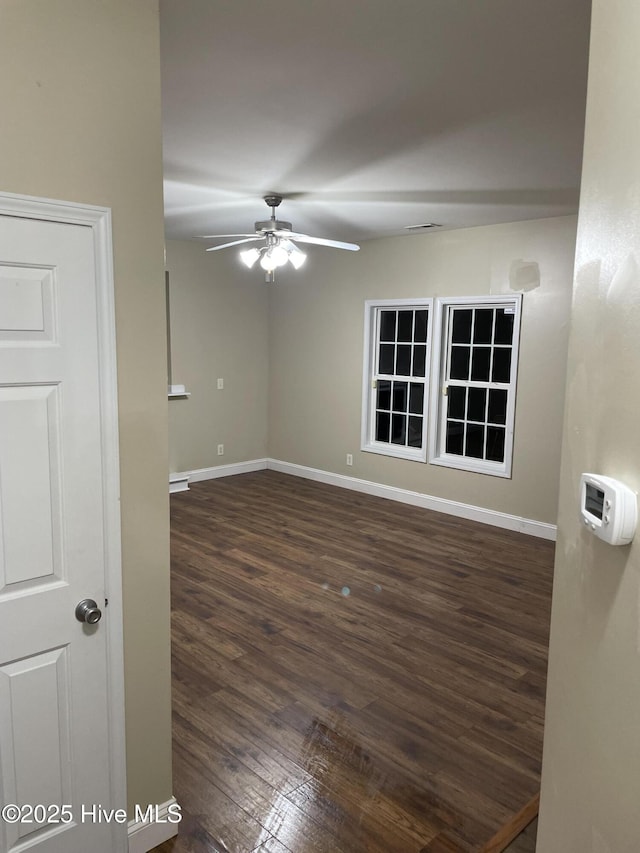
(351, 674)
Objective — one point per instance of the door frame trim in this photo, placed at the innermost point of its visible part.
(99, 220)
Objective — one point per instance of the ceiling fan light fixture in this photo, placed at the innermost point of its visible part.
(296, 257)
(273, 257)
(250, 256)
(279, 255)
(266, 262)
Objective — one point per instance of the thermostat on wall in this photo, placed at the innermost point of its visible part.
(609, 509)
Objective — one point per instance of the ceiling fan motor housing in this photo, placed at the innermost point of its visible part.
(273, 225)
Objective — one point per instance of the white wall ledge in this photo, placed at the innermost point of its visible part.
(176, 391)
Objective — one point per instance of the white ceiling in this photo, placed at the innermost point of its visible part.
(371, 115)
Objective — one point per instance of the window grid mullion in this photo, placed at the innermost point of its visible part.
(465, 431)
(486, 420)
(413, 344)
(472, 343)
(493, 343)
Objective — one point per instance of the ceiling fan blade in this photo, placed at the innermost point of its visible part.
(215, 236)
(234, 243)
(318, 241)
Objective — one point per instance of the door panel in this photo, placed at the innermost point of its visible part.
(29, 431)
(26, 303)
(40, 767)
(54, 670)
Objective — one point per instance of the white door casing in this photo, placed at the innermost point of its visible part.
(61, 681)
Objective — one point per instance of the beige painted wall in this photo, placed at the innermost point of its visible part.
(316, 351)
(219, 328)
(80, 117)
(591, 764)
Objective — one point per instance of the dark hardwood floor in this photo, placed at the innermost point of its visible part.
(352, 674)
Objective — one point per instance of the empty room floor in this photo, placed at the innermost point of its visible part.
(352, 674)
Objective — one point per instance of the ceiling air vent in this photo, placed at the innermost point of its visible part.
(423, 226)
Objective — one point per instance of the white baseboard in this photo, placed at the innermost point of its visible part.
(222, 471)
(541, 529)
(461, 510)
(145, 835)
(178, 483)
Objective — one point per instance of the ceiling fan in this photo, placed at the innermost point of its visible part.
(278, 243)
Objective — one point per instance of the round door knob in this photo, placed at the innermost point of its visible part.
(88, 611)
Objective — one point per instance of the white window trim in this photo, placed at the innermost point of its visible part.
(437, 411)
(368, 443)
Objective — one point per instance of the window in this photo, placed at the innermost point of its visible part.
(473, 393)
(396, 373)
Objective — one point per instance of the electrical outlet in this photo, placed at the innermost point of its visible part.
(349, 458)
(221, 450)
(220, 384)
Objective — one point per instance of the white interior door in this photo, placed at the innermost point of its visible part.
(57, 674)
